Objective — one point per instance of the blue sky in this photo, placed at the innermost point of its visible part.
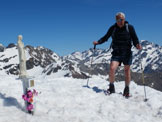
(65, 26)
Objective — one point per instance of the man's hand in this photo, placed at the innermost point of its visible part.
(138, 46)
(95, 43)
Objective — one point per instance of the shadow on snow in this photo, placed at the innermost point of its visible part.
(10, 101)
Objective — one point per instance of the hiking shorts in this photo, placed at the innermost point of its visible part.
(126, 60)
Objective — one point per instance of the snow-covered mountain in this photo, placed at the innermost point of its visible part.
(35, 56)
(43, 61)
(150, 57)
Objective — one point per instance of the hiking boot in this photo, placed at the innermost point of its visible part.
(126, 91)
(111, 88)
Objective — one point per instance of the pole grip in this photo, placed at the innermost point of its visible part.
(94, 47)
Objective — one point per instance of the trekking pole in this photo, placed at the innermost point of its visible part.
(143, 80)
(91, 64)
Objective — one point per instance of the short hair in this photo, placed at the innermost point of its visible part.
(120, 13)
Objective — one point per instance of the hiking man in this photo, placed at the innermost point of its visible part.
(123, 35)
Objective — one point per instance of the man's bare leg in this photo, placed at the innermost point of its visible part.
(127, 75)
(113, 66)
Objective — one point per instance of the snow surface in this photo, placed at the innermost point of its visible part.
(67, 100)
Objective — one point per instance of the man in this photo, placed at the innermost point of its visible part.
(123, 35)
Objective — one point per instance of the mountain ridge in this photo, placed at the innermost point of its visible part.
(78, 64)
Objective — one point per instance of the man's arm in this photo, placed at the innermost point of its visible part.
(133, 35)
(134, 38)
(105, 37)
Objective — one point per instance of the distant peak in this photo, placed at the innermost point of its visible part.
(11, 45)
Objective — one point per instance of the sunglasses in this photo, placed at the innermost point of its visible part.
(119, 20)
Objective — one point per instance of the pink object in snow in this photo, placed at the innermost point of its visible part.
(30, 107)
(35, 92)
(29, 94)
(25, 97)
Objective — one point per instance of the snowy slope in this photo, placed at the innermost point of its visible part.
(67, 100)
